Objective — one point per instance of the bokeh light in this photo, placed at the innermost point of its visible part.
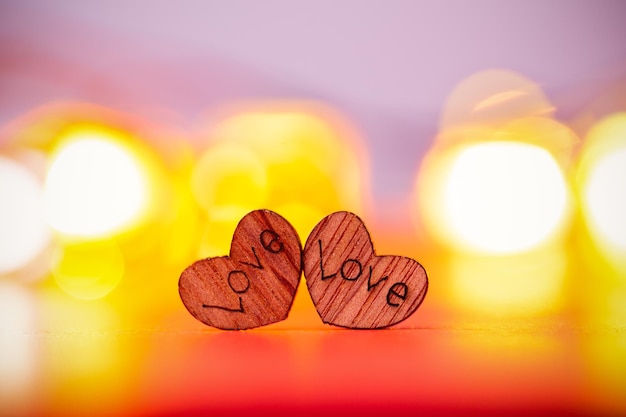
(229, 176)
(498, 197)
(510, 285)
(602, 182)
(493, 191)
(25, 232)
(606, 199)
(116, 190)
(89, 270)
(19, 359)
(94, 186)
(87, 357)
(504, 197)
(134, 138)
(494, 182)
(299, 161)
(491, 98)
(218, 232)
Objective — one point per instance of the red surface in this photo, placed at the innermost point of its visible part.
(182, 368)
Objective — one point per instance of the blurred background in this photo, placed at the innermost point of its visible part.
(485, 139)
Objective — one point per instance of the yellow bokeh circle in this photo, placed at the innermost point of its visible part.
(89, 270)
(601, 179)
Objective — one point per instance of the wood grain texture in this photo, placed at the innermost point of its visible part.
(351, 286)
(252, 287)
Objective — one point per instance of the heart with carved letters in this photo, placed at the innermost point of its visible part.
(351, 286)
(252, 287)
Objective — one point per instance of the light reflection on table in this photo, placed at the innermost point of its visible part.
(102, 366)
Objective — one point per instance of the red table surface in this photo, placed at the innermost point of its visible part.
(425, 366)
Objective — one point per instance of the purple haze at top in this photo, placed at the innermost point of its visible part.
(388, 65)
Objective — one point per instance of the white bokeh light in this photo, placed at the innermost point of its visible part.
(504, 197)
(23, 230)
(94, 187)
(605, 197)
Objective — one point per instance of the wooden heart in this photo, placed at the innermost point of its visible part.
(351, 286)
(252, 287)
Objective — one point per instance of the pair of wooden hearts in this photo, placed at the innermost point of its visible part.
(256, 285)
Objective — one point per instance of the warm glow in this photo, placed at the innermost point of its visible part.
(293, 162)
(520, 284)
(95, 185)
(24, 232)
(493, 97)
(492, 181)
(89, 270)
(279, 157)
(605, 197)
(218, 232)
(499, 99)
(504, 197)
(19, 350)
(82, 348)
(228, 176)
(601, 180)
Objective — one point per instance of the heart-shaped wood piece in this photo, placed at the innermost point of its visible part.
(252, 287)
(351, 286)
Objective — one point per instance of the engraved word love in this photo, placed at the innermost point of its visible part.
(252, 287)
(351, 286)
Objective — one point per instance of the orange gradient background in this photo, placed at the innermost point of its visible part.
(509, 188)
